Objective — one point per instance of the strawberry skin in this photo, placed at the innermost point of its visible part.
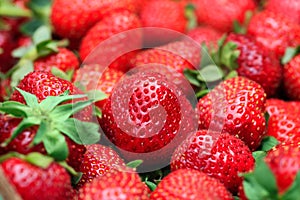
(186, 184)
(291, 75)
(289, 8)
(221, 14)
(264, 27)
(6, 45)
(64, 60)
(84, 14)
(97, 161)
(256, 64)
(236, 106)
(221, 156)
(284, 161)
(32, 182)
(125, 185)
(205, 34)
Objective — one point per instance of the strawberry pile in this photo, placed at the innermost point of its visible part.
(150, 100)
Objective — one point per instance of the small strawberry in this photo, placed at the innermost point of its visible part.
(291, 78)
(115, 184)
(85, 14)
(114, 23)
(221, 156)
(97, 161)
(221, 14)
(256, 64)
(147, 113)
(188, 184)
(288, 8)
(48, 181)
(236, 106)
(264, 27)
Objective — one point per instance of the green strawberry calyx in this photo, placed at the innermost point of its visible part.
(54, 120)
(289, 54)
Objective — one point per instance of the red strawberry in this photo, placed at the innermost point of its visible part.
(188, 184)
(114, 23)
(264, 27)
(125, 185)
(291, 76)
(221, 156)
(205, 34)
(85, 14)
(236, 106)
(97, 161)
(4, 89)
(221, 14)
(257, 64)
(6, 47)
(64, 60)
(289, 8)
(146, 113)
(284, 161)
(163, 14)
(32, 182)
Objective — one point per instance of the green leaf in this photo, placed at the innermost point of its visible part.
(259, 155)
(46, 48)
(205, 57)
(70, 169)
(151, 185)
(14, 108)
(39, 159)
(134, 163)
(30, 99)
(289, 54)
(42, 34)
(191, 76)
(293, 192)
(97, 112)
(231, 74)
(190, 15)
(202, 93)
(267, 117)
(24, 67)
(210, 73)
(8, 9)
(80, 132)
(268, 143)
(41, 132)
(75, 179)
(21, 51)
(229, 55)
(61, 74)
(96, 95)
(29, 28)
(55, 145)
(9, 155)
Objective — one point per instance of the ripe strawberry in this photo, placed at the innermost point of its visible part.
(205, 34)
(284, 161)
(115, 184)
(190, 184)
(162, 14)
(288, 8)
(256, 64)
(264, 27)
(236, 106)
(97, 161)
(33, 182)
(4, 89)
(85, 14)
(291, 76)
(64, 60)
(6, 47)
(221, 14)
(221, 156)
(147, 113)
(114, 23)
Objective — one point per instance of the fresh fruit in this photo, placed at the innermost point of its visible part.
(146, 114)
(256, 64)
(205, 34)
(236, 106)
(221, 14)
(116, 184)
(84, 15)
(188, 184)
(221, 156)
(264, 27)
(291, 75)
(6, 47)
(97, 161)
(33, 182)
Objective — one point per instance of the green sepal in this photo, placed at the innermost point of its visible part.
(30, 99)
(39, 136)
(61, 74)
(134, 164)
(231, 74)
(293, 192)
(15, 108)
(8, 9)
(75, 179)
(28, 28)
(190, 15)
(98, 112)
(268, 143)
(152, 186)
(55, 145)
(96, 95)
(20, 70)
(229, 55)
(192, 76)
(210, 73)
(202, 93)
(70, 169)
(289, 54)
(259, 155)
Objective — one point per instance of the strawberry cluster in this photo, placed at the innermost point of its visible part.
(157, 99)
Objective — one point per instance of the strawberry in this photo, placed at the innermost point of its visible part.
(64, 59)
(140, 115)
(291, 76)
(221, 156)
(84, 15)
(256, 64)
(114, 23)
(264, 27)
(190, 184)
(221, 14)
(163, 14)
(289, 8)
(97, 161)
(6, 47)
(205, 34)
(125, 185)
(32, 182)
(236, 106)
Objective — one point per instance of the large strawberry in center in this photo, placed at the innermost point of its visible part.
(146, 117)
